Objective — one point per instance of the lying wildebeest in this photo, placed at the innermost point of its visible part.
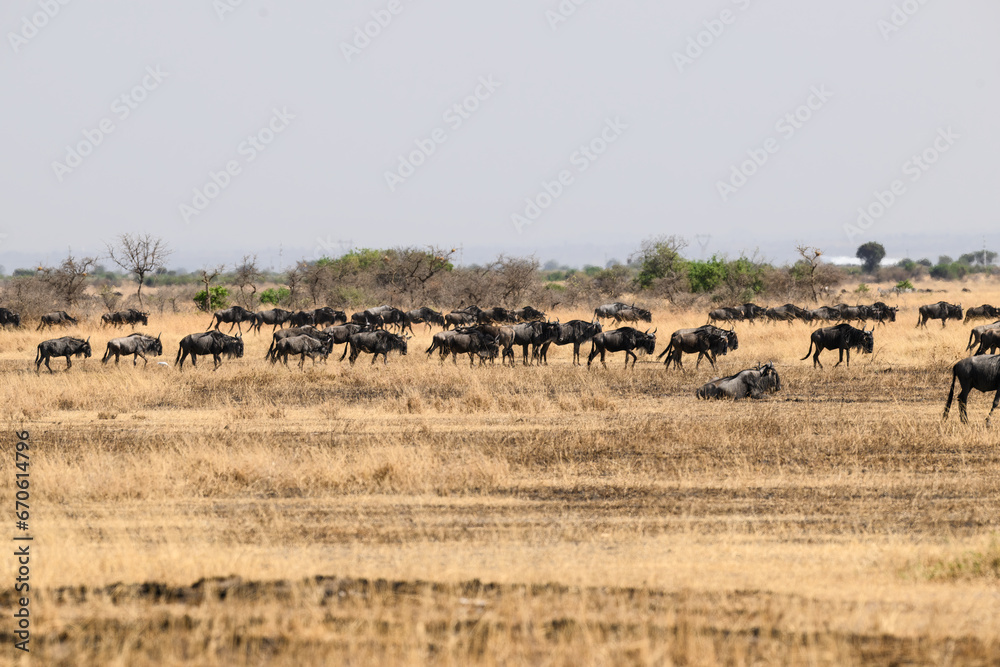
(575, 332)
(376, 343)
(137, 344)
(707, 340)
(528, 314)
(302, 345)
(214, 343)
(941, 310)
(427, 316)
(9, 317)
(281, 334)
(123, 317)
(276, 317)
(725, 315)
(327, 316)
(235, 316)
(624, 340)
(980, 373)
(749, 383)
(990, 340)
(61, 347)
(977, 332)
(60, 317)
(983, 312)
(842, 337)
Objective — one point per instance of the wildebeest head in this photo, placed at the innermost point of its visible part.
(867, 341)
(232, 346)
(646, 341)
(156, 347)
(85, 348)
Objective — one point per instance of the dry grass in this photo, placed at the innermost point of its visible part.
(427, 513)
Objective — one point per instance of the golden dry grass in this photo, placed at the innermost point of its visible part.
(426, 513)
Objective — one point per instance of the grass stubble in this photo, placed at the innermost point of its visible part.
(421, 513)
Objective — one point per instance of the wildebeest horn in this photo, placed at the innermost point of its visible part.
(88, 339)
(654, 330)
(158, 335)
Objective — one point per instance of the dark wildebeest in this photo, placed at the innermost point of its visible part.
(528, 314)
(624, 340)
(427, 316)
(751, 311)
(787, 313)
(60, 317)
(281, 334)
(842, 337)
(302, 345)
(301, 318)
(707, 340)
(9, 317)
(472, 342)
(341, 334)
(983, 312)
(439, 342)
(214, 343)
(575, 332)
(122, 317)
(633, 313)
(496, 315)
(825, 314)
(276, 317)
(942, 310)
(61, 347)
(990, 340)
(528, 334)
(327, 316)
(852, 313)
(375, 343)
(725, 315)
(882, 312)
(749, 383)
(980, 373)
(393, 317)
(464, 317)
(367, 318)
(137, 344)
(234, 316)
(977, 333)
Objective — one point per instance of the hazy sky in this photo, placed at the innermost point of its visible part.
(750, 123)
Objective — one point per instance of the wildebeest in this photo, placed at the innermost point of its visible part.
(60, 317)
(707, 340)
(301, 318)
(980, 373)
(9, 317)
(472, 342)
(375, 343)
(825, 314)
(882, 312)
(427, 316)
(527, 314)
(941, 310)
(281, 334)
(214, 343)
(66, 346)
(622, 312)
(123, 317)
(575, 332)
(749, 383)
(528, 334)
(842, 337)
(977, 332)
(983, 312)
(393, 317)
(341, 334)
(725, 315)
(303, 345)
(367, 318)
(496, 315)
(787, 313)
(990, 340)
(276, 317)
(464, 317)
(137, 344)
(327, 316)
(625, 339)
(235, 316)
(751, 311)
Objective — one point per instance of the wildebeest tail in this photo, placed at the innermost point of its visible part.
(951, 393)
(666, 351)
(107, 355)
(809, 352)
(38, 355)
(972, 335)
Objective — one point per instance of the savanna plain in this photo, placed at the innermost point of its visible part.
(429, 513)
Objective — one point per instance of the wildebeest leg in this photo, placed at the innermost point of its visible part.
(630, 353)
(69, 361)
(963, 397)
(816, 361)
(996, 400)
(841, 359)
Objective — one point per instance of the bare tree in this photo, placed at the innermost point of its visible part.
(810, 262)
(69, 278)
(246, 275)
(207, 276)
(140, 255)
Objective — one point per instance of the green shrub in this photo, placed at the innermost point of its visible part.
(275, 296)
(216, 299)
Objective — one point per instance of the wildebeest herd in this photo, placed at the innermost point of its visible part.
(484, 334)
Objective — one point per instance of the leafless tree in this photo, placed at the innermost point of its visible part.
(68, 280)
(140, 255)
(207, 276)
(246, 275)
(810, 262)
